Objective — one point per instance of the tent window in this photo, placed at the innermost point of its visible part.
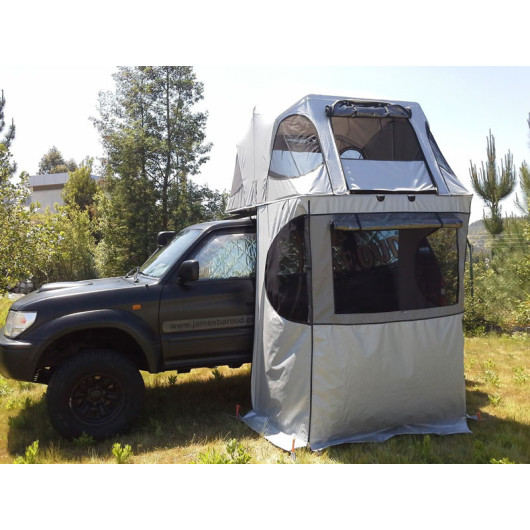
(296, 149)
(383, 139)
(440, 159)
(395, 269)
(286, 272)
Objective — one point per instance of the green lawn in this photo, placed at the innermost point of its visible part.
(191, 418)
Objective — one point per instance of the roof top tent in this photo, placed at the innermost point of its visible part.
(362, 227)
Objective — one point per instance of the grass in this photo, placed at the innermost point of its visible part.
(5, 304)
(191, 418)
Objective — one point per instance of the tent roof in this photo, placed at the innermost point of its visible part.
(347, 153)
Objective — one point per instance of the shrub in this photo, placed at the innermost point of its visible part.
(237, 454)
(122, 454)
(501, 283)
(66, 246)
(84, 440)
(5, 388)
(31, 454)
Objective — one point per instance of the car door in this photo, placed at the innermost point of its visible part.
(213, 317)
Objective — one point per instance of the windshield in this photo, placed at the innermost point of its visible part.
(164, 258)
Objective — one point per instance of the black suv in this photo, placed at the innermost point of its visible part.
(190, 305)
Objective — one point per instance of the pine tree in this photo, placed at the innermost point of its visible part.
(179, 147)
(493, 185)
(523, 202)
(126, 208)
(153, 141)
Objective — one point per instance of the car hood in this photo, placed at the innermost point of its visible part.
(67, 292)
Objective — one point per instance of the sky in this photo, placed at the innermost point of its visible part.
(52, 107)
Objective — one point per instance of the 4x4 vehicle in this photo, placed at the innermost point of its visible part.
(190, 305)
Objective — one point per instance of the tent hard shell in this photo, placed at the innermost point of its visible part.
(362, 228)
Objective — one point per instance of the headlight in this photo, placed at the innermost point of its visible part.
(17, 322)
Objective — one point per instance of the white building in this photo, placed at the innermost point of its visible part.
(47, 189)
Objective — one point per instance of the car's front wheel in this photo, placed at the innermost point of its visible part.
(98, 392)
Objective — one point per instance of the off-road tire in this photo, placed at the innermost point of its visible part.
(97, 392)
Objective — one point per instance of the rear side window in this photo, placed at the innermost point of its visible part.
(377, 271)
(286, 272)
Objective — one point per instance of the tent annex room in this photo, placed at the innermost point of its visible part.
(361, 247)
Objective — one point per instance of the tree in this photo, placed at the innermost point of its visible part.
(128, 223)
(16, 230)
(10, 133)
(493, 185)
(45, 247)
(153, 142)
(523, 203)
(80, 188)
(501, 283)
(154, 105)
(64, 246)
(15, 226)
(179, 147)
(197, 204)
(54, 162)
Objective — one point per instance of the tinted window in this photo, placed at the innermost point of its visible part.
(377, 271)
(227, 255)
(286, 272)
(296, 149)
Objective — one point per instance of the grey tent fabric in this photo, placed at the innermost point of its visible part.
(397, 152)
(361, 243)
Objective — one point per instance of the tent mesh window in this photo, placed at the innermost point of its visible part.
(286, 281)
(383, 139)
(395, 269)
(440, 159)
(296, 149)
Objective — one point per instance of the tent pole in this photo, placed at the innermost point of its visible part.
(311, 323)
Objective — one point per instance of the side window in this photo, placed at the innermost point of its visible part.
(377, 271)
(227, 255)
(296, 149)
(286, 272)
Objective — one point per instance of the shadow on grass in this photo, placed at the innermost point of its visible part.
(174, 415)
(194, 412)
(199, 412)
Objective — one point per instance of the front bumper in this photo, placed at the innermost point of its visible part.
(18, 358)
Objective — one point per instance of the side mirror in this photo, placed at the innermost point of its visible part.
(164, 238)
(189, 271)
